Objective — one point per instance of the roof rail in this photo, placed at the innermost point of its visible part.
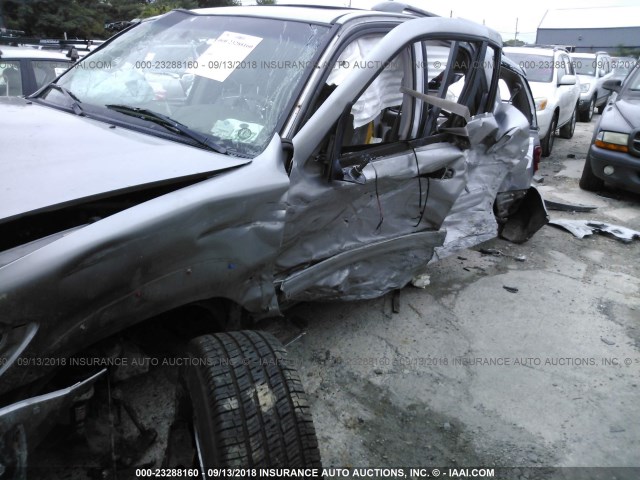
(397, 7)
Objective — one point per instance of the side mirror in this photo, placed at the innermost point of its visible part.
(351, 173)
(612, 84)
(567, 80)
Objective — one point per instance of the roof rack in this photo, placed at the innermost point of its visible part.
(7, 32)
(51, 43)
(397, 7)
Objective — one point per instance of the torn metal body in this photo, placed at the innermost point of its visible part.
(124, 201)
(504, 181)
(470, 221)
(31, 418)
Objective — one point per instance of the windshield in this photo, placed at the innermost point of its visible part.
(585, 65)
(632, 83)
(230, 78)
(622, 66)
(539, 68)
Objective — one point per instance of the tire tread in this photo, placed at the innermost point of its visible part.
(278, 433)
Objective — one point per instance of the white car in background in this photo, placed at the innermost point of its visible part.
(555, 87)
(23, 70)
(593, 70)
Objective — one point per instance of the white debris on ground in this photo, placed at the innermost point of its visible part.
(582, 228)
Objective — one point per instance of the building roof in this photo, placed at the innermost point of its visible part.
(593, 17)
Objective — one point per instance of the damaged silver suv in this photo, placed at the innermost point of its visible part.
(287, 154)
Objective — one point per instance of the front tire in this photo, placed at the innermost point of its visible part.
(588, 180)
(549, 138)
(587, 115)
(567, 130)
(248, 406)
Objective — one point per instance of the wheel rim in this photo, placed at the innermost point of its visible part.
(552, 134)
(592, 107)
(573, 123)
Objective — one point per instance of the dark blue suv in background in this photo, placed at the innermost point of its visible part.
(614, 155)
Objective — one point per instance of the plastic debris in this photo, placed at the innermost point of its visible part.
(421, 281)
(582, 228)
(497, 253)
(395, 301)
(567, 207)
(490, 251)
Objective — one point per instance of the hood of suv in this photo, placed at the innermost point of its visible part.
(586, 78)
(625, 111)
(55, 159)
(543, 89)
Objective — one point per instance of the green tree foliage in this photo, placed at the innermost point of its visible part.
(52, 18)
(513, 43)
(119, 10)
(623, 51)
(218, 3)
(163, 6)
(86, 18)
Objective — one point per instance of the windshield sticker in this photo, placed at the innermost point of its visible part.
(236, 130)
(225, 54)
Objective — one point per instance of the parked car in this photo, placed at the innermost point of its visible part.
(593, 70)
(622, 66)
(23, 70)
(614, 154)
(555, 88)
(314, 155)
